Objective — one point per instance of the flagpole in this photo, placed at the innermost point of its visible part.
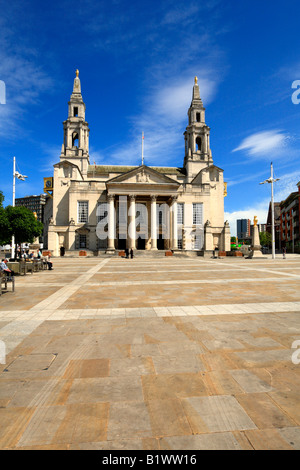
(142, 148)
(14, 198)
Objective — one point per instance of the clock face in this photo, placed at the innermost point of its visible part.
(48, 184)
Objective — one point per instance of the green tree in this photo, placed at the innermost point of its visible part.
(20, 222)
(4, 223)
(265, 238)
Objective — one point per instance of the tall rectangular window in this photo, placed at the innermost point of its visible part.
(82, 241)
(83, 212)
(180, 209)
(198, 213)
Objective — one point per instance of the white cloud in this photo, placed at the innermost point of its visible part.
(172, 101)
(260, 211)
(264, 144)
(163, 121)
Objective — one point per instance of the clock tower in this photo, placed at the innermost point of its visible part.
(197, 146)
(76, 130)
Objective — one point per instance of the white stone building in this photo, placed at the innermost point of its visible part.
(103, 208)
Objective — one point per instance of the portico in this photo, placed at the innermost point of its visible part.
(141, 208)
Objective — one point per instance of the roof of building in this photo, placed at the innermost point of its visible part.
(289, 199)
(107, 169)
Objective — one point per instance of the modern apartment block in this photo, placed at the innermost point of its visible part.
(35, 204)
(243, 228)
(290, 221)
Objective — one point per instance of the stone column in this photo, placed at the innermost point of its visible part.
(111, 222)
(131, 228)
(256, 246)
(71, 236)
(153, 224)
(174, 223)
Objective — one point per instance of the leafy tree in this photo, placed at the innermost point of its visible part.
(20, 222)
(265, 238)
(4, 227)
(4, 224)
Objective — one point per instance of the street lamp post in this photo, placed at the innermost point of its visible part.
(16, 174)
(272, 180)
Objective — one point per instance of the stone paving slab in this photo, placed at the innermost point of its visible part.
(197, 355)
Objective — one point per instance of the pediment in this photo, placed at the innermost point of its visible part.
(206, 175)
(143, 175)
(65, 163)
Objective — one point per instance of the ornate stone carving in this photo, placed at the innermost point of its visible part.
(142, 177)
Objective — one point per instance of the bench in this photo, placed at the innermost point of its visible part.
(4, 280)
(38, 265)
(16, 267)
(29, 267)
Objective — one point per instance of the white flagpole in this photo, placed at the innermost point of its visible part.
(272, 180)
(142, 148)
(14, 195)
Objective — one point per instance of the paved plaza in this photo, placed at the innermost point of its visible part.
(152, 353)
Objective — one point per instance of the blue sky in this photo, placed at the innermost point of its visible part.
(137, 63)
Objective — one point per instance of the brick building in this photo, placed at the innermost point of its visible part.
(290, 221)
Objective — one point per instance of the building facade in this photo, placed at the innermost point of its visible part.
(35, 204)
(243, 228)
(103, 208)
(276, 223)
(290, 221)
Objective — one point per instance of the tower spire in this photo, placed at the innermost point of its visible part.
(75, 147)
(197, 146)
(196, 92)
(77, 84)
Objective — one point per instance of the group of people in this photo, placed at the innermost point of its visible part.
(129, 253)
(27, 256)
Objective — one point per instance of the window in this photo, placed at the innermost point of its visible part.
(198, 117)
(75, 139)
(82, 241)
(180, 214)
(198, 144)
(102, 211)
(75, 112)
(83, 212)
(198, 240)
(179, 244)
(197, 213)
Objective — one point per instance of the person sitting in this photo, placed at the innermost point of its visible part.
(49, 263)
(5, 269)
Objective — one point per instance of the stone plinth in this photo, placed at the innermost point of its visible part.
(256, 246)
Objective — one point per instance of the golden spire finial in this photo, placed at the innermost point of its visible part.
(196, 80)
(77, 73)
